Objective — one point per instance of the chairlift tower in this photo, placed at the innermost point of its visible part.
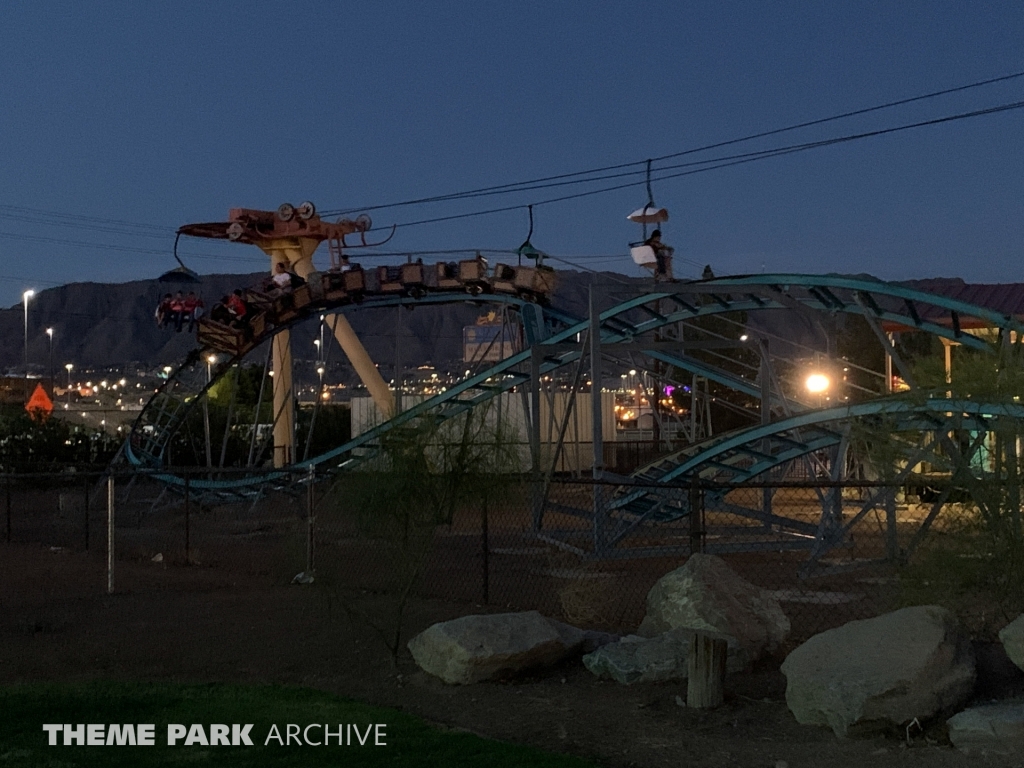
(291, 235)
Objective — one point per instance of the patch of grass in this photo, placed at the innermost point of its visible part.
(409, 741)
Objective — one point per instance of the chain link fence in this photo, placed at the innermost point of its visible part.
(583, 551)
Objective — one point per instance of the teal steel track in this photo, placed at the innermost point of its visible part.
(553, 335)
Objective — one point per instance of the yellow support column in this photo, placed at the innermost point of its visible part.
(297, 254)
(284, 401)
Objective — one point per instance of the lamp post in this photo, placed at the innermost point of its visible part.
(49, 334)
(69, 366)
(24, 300)
(210, 360)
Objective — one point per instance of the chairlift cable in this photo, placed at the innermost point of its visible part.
(743, 160)
(511, 186)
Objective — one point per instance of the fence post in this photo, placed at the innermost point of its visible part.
(705, 687)
(188, 522)
(86, 494)
(310, 521)
(8, 487)
(892, 546)
(696, 516)
(110, 535)
(486, 550)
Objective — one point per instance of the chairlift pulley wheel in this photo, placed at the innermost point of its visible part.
(364, 222)
(235, 230)
(286, 212)
(306, 210)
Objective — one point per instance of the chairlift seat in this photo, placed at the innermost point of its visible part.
(643, 255)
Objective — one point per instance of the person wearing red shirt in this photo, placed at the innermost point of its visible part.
(193, 309)
(236, 306)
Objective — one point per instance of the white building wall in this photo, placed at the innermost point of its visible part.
(506, 416)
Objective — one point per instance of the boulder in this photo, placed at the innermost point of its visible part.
(583, 640)
(474, 648)
(996, 729)
(1012, 638)
(880, 672)
(706, 595)
(636, 659)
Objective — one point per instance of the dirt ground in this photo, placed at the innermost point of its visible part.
(205, 624)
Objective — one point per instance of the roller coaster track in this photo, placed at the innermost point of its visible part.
(742, 456)
(553, 340)
(658, 494)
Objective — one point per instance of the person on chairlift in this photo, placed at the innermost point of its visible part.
(177, 313)
(663, 255)
(193, 309)
(163, 311)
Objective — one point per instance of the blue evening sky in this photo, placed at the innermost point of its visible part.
(154, 115)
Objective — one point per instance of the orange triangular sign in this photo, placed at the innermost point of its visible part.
(40, 403)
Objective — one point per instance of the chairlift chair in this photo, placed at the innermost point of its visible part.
(181, 273)
(643, 255)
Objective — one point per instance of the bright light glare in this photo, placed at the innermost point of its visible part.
(817, 383)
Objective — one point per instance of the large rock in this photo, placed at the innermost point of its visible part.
(1012, 638)
(996, 728)
(706, 595)
(474, 648)
(636, 659)
(883, 671)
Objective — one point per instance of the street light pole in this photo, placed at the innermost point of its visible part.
(69, 366)
(210, 360)
(24, 300)
(49, 333)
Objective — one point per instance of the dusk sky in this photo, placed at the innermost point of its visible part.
(122, 121)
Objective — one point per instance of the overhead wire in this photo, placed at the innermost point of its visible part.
(740, 160)
(137, 229)
(511, 187)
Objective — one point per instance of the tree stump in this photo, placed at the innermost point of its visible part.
(705, 683)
